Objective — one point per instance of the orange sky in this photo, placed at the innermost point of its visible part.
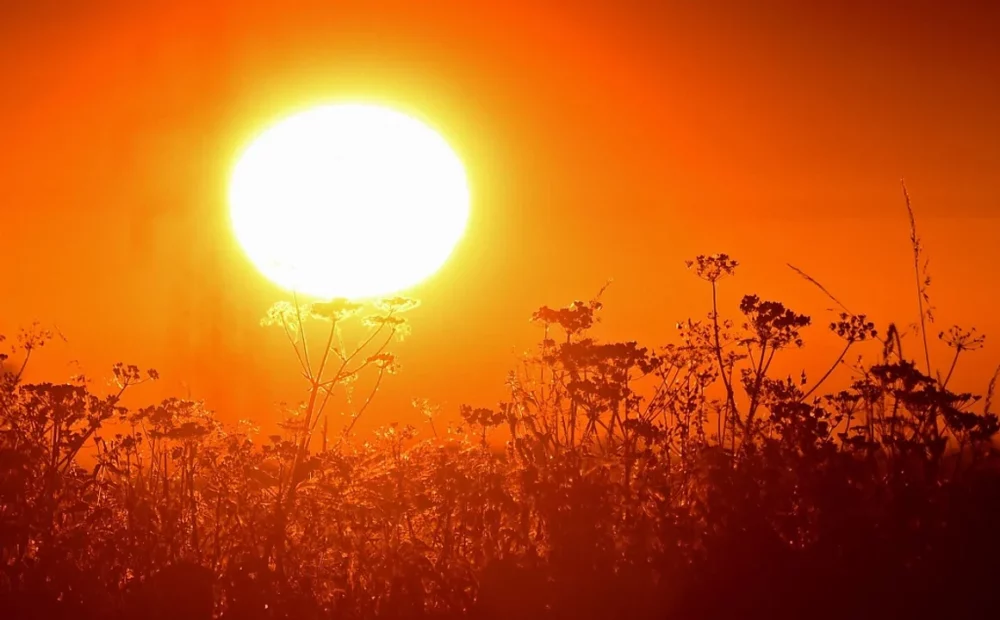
(610, 139)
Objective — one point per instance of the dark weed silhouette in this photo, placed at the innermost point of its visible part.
(615, 481)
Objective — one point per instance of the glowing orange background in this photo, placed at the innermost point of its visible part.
(602, 141)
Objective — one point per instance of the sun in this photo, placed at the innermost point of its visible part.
(348, 200)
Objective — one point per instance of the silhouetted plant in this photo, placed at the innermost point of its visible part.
(614, 480)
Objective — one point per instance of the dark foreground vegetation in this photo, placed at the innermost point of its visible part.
(616, 481)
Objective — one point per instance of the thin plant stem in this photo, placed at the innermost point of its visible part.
(921, 286)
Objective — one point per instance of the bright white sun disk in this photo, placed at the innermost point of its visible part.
(349, 201)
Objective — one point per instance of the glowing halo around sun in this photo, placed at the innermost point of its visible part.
(348, 200)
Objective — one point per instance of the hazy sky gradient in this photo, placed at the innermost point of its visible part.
(603, 140)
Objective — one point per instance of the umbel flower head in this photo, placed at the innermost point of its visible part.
(713, 268)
